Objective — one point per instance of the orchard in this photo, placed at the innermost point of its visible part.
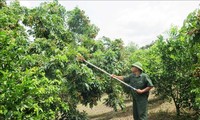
(41, 78)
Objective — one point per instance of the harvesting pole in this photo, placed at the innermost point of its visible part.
(81, 58)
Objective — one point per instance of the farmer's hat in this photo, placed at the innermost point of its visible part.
(138, 65)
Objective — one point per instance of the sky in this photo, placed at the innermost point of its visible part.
(132, 21)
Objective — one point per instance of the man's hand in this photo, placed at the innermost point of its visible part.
(113, 76)
(139, 91)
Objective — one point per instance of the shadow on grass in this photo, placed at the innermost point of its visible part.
(161, 115)
(164, 115)
(113, 114)
(153, 103)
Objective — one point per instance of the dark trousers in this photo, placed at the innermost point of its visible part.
(140, 108)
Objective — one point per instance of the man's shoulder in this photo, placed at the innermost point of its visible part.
(144, 75)
(131, 75)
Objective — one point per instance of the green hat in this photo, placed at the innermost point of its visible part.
(138, 65)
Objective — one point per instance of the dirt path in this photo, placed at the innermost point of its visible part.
(157, 110)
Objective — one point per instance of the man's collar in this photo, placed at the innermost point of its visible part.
(137, 76)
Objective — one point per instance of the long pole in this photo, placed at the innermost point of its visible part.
(109, 74)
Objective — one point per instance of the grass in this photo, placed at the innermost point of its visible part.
(165, 115)
(158, 109)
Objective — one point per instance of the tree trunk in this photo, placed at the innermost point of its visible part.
(177, 109)
(176, 104)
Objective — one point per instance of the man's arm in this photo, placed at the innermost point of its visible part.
(148, 88)
(139, 91)
(119, 77)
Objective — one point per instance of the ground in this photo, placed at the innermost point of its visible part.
(158, 109)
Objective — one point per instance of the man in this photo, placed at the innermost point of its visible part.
(143, 84)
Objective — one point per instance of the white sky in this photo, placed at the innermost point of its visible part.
(137, 21)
